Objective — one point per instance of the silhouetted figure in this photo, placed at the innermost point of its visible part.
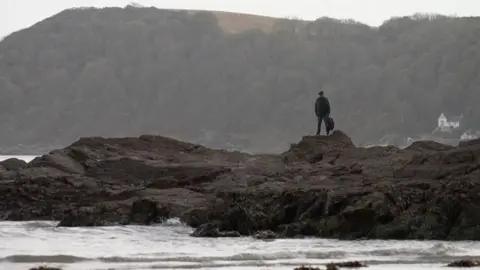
(322, 110)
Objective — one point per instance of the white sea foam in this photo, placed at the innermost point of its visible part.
(169, 246)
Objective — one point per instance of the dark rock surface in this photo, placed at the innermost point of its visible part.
(12, 164)
(464, 263)
(212, 230)
(45, 268)
(322, 186)
(351, 264)
(306, 268)
(266, 235)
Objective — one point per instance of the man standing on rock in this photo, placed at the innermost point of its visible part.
(322, 110)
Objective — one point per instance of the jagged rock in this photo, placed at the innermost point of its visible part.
(267, 234)
(352, 264)
(319, 148)
(474, 142)
(207, 230)
(306, 268)
(323, 186)
(89, 217)
(464, 263)
(45, 268)
(6, 174)
(429, 146)
(146, 212)
(212, 230)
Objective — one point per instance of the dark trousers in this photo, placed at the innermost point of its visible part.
(321, 118)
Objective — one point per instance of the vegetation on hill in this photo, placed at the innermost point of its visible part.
(131, 71)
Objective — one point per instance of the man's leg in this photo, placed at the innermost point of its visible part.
(319, 124)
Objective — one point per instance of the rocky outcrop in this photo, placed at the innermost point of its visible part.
(265, 235)
(212, 230)
(13, 164)
(352, 264)
(464, 263)
(322, 186)
(45, 268)
(9, 168)
(306, 268)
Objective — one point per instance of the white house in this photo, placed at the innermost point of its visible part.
(469, 135)
(447, 123)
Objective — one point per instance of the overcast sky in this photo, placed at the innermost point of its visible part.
(18, 14)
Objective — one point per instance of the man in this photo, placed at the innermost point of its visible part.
(322, 110)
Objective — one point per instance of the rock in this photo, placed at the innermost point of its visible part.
(352, 264)
(474, 142)
(89, 217)
(429, 146)
(146, 212)
(206, 230)
(13, 164)
(6, 174)
(212, 230)
(306, 268)
(317, 148)
(324, 186)
(464, 263)
(267, 234)
(230, 234)
(195, 216)
(45, 268)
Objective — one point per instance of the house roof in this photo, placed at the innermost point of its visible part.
(453, 117)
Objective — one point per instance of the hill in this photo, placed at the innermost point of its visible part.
(210, 78)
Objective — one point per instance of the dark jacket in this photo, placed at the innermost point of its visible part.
(322, 106)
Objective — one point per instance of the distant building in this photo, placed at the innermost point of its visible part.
(447, 123)
(470, 135)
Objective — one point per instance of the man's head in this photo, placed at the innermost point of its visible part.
(321, 93)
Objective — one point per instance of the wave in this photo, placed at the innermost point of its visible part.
(334, 256)
(173, 222)
(439, 249)
(41, 224)
(43, 259)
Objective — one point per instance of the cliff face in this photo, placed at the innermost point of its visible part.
(229, 80)
(322, 186)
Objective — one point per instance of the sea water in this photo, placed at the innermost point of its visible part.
(169, 246)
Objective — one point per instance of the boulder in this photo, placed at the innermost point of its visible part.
(212, 230)
(92, 216)
(45, 268)
(265, 235)
(306, 268)
(464, 263)
(146, 212)
(429, 146)
(13, 164)
(318, 148)
(352, 264)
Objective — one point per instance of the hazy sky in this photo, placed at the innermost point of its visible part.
(18, 14)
